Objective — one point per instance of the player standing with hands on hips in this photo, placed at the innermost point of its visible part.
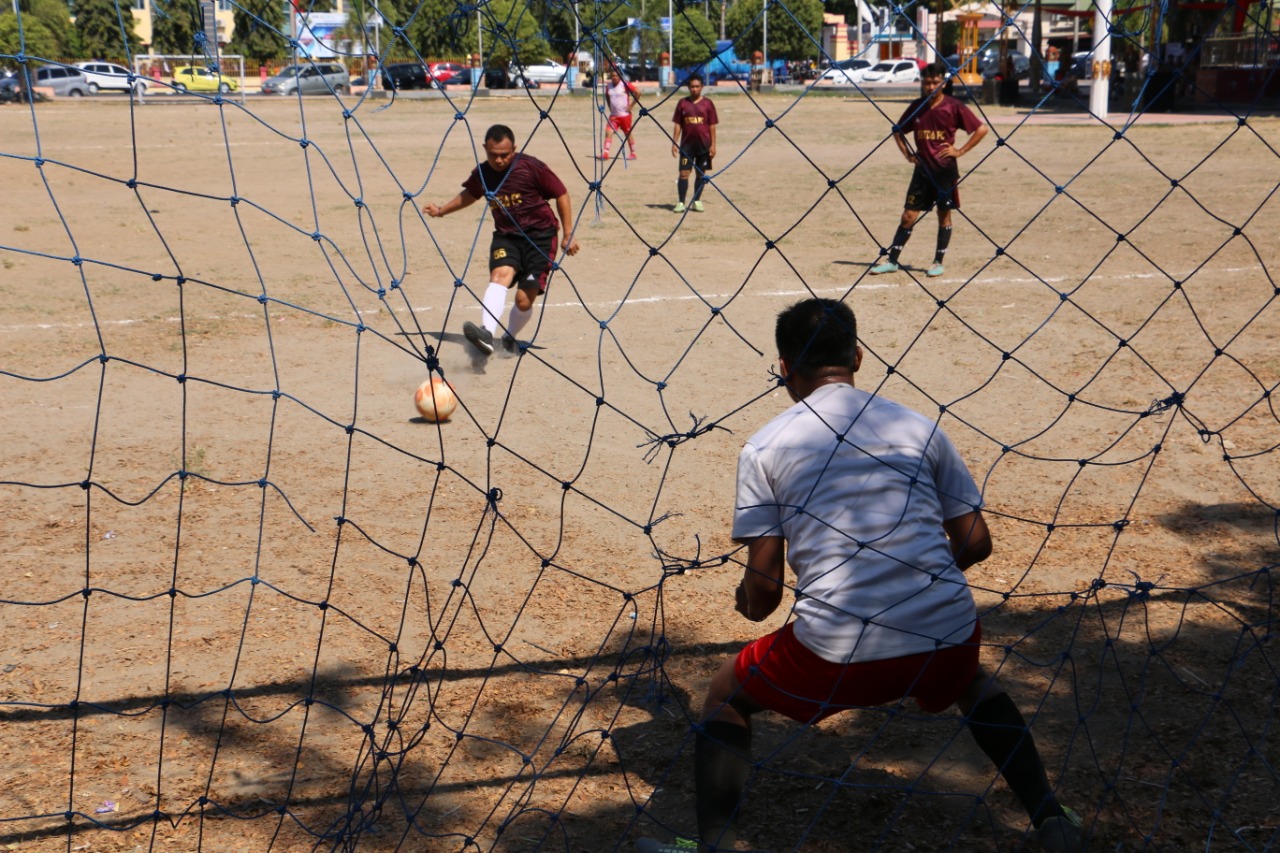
(619, 94)
(518, 187)
(879, 518)
(933, 119)
(693, 141)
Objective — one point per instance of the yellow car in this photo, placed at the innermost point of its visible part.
(198, 78)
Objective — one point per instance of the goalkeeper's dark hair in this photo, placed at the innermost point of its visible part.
(498, 133)
(817, 333)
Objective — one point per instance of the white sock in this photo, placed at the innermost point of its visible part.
(494, 300)
(518, 320)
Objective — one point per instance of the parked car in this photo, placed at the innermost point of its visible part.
(846, 72)
(547, 71)
(319, 78)
(989, 64)
(444, 73)
(404, 75)
(896, 71)
(109, 77)
(200, 78)
(638, 72)
(63, 81)
(1082, 64)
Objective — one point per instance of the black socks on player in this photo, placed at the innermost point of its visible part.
(900, 238)
(721, 763)
(1002, 733)
(682, 187)
(944, 240)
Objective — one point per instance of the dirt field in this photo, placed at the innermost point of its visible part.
(253, 602)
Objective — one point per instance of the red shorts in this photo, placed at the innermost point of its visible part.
(622, 124)
(780, 674)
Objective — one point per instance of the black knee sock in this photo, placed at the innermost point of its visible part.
(944, 240)
(900, 238)
(721, 762)
(698, 184)
(682, 186)
(1000, 730)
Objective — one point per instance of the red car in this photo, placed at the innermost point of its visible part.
(444, 73)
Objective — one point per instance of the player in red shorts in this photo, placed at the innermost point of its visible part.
(518, 187)
(693, 140)
(933, 119)
(619, 94)
(879, 517)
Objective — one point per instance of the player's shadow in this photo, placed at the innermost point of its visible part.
(478, 361)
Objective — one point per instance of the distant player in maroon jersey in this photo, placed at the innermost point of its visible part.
(518, 187)
(933, 118)
(693, 140)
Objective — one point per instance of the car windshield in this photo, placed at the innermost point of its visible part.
(883, 66)
(291, 71)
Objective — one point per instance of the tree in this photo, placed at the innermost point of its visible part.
(442, 29)
(693, 38)
(44, 21)
(795, 28)
(260, 30)
(511, 32)
(39, 41)
(173, 26)
(105, 29)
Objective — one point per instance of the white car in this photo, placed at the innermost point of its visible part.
(846, 72)
(547, 71)
(109, 77)
(897, 71)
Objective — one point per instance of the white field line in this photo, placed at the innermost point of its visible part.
(684, 297)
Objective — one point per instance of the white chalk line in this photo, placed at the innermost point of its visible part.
(648, 300)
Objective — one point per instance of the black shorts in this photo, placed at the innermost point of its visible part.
(530, 254)
(698, 157)
(928, 189)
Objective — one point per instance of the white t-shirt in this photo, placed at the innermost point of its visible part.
(619, 98)
(862, 517)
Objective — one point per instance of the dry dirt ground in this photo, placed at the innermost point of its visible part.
(252, 602)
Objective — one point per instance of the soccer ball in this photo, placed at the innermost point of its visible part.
(435, 399)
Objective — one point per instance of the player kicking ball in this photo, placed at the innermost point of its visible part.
(933, 120)
(519, 188)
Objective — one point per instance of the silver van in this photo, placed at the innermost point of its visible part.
(310, 79)
(63, 81)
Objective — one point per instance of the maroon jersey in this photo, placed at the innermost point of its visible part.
(695, 121)
(936, 127)
(520, 194)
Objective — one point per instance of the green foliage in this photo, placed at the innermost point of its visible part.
(603, 28)
(260, 30)
(795, 28)
(174, 26)
(511, 31)
(442, 29)
(54, 24)
(355, 36)
(693, 38)
(39, 41)
(105, 30)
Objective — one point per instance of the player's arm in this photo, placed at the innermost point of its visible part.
(564, 209)
(974, 138)
(461, 200)
(970, 539)
(712, 151)
(904, 146)
(675, 139)
(760, 591)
